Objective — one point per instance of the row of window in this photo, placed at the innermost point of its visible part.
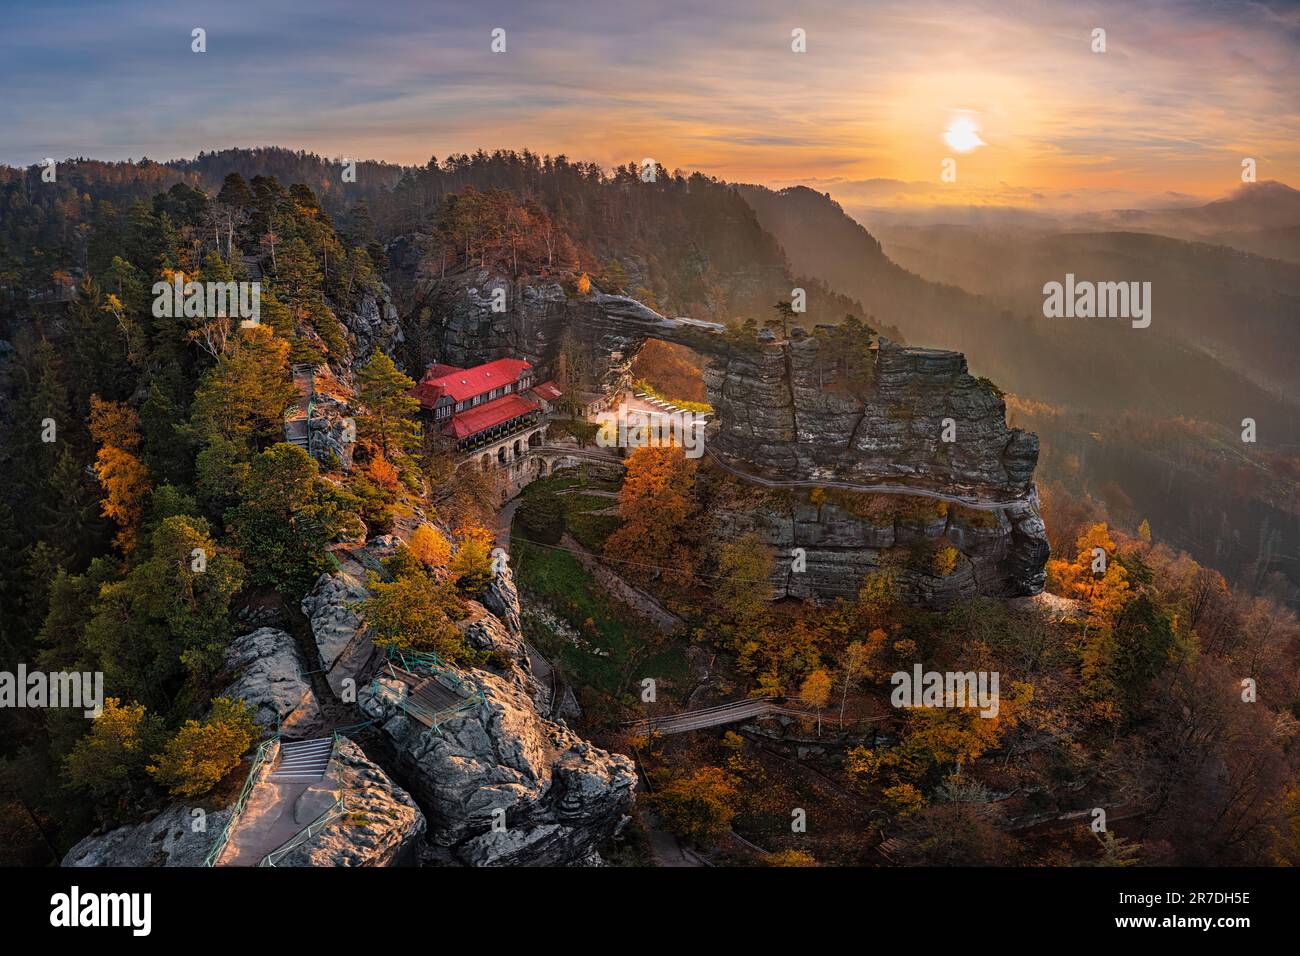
(446, 411)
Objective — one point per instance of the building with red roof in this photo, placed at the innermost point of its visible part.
(479, 405)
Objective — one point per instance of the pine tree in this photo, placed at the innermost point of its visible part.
(389, 419)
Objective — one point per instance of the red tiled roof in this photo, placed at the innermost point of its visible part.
(499, 410)
(427, 393)
(438, 370)
(547, 391)
(466, 383)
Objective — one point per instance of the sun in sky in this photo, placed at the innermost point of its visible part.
(963, 132)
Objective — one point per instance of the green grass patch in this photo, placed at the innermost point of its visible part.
(579, 503)
(632, 650)
(592, 530)
(556, 482)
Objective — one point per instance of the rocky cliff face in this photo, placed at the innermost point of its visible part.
(939, 554)
(374, 324)
(899, 419)
(601, 332)
(168, 839)
(502, 785)
(436, 796)
(469, 332)
(271, 678)
(789, 412)
(784, 409)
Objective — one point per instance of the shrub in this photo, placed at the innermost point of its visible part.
(944, 561)
(109, 761)
(200, 754)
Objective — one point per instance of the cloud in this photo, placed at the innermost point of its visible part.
(1184, 90)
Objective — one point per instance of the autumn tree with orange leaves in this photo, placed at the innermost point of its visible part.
(1094, 577)
(124, 477)
(661, 520)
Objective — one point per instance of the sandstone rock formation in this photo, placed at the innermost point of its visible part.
(374, 324)
(783, 408)
(340, 637)
(269, 674)
(993, 553)
(381, 825)
(791, 412)
(560, 796)
(166, 840)
(786, 411)
(333, 430)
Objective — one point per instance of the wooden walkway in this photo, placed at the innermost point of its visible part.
(425, 696)
(734, 712)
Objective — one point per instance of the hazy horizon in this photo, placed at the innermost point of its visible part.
(1013, 92)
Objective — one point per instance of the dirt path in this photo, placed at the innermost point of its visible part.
(505, 518)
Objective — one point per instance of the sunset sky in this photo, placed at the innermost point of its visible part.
(1183, 92)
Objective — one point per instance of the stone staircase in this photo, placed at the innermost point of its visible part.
(303, 761)
(298, 422)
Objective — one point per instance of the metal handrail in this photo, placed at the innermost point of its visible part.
(332, 813)
(259, 758)
(413, 662)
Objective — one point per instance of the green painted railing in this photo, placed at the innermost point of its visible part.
(436, 717)
(259, 758)
(430, 663)
(306, 833)
(330, 814)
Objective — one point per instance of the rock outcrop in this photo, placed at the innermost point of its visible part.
(795, 413)
(269, 675)
(540, 319)
(333, 430)
(912, 416)
(374, 324)
(504, 786)
(500, 784)
(786, 408)
(380, 826)
(341, 641)
(939, 554)
(169, 839)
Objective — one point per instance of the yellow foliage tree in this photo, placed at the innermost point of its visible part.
(200, 754)
(660, 516)
(1094, 577)
(430, 547)
(124, 477)
(471, 567)
(699, 805)
(815, 691)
